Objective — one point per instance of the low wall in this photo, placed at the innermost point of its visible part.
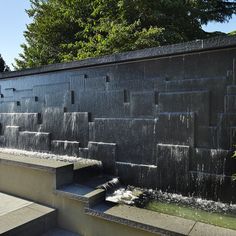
(160, 118)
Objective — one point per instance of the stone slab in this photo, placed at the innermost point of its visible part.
(17, 213)
(36, 163)
(201, 229)
(143, 219)
(187, 101)
(137, 174)
(104, 152)
(34, 141)
(82, 193)
(142, 104)
(75, 127)
(9, 203)
(64, 147)
(173, 167)
(11, 134)
(176, 128)
(126, 134)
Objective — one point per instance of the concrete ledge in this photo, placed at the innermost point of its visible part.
(153, 222)
(175, 49)
(20, 217)
(201, 229)
(34, 163)
(85, 194)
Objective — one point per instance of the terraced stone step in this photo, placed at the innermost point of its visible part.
(19, 217)
(154, 222)
(86, 194)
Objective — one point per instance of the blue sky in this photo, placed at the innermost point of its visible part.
(13, 20)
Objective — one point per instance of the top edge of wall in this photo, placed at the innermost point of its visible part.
(169, 50)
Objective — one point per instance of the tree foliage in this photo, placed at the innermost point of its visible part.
(232, 33)
(65, 30)
(3, 66)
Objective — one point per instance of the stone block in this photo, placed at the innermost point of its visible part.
(232, 136)
(173, 167)
(62, 147)
(132, 85)
(31, 105)
(11, 135)
(176, 128)
(142, 104)
(191, 101)
(96, 83)
(2, 141)
(50, 88)
(23, 93)
(216, 86)
(211, 186)
(230, 103)
(77, 82)
(9, 91)
(34, 141)
(231, 90)
(59, 99)
(27, 121)
(52, 118)
(135, 138)
(75, 127)
(206, 137)
(211, 161)
(137, 174)
(102, 103)
(225, 121)
(104, 152)
(10, 107)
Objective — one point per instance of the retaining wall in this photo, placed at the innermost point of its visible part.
(160, 118)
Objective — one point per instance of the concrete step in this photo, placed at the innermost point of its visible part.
(59, 232)
(89, 196)
(154, 222)
(20, 217)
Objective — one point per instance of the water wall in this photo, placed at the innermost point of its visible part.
(159, 118)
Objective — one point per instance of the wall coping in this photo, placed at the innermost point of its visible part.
(149, 53)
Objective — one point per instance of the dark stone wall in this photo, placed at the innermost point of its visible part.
(161, 118)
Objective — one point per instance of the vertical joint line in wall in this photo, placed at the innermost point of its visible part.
(72, 97)
(107, 79)
(234, 71)
(156, 94)
(126, 96)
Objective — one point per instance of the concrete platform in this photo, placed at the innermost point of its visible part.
(21, 217)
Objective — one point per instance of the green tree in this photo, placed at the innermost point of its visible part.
(232, 33)
(65, 30)
(3, 66)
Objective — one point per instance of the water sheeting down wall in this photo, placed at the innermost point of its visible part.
(158, 118)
